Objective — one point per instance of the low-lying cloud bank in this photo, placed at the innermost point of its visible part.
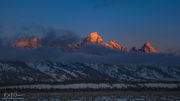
(91, 54)
(124, 58)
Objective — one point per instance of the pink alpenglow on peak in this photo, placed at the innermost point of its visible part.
(114, 44)
(148, 48)
(94, 38)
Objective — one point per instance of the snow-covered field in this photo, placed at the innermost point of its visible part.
(93, 86)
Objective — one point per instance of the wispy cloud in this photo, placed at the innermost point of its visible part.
(60, 37)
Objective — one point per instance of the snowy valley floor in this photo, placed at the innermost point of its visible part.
(96, 86)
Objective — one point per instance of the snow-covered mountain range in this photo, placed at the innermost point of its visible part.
(16, 72)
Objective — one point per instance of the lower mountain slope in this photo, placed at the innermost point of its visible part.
(15, 72)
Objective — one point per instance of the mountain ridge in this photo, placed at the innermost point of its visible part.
(93, 38)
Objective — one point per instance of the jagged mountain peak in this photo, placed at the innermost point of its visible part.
(94, 34)
(94, 38)
(113, 44)
(148, 48)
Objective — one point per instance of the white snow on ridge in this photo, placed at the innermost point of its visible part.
(69, 72)
(56, 72)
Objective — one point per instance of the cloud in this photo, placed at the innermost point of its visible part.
(8, 53)
(104, 4)
(96, 49)
(60, 37)
(124, 58)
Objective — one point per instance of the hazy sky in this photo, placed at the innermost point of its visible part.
(129, 22)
